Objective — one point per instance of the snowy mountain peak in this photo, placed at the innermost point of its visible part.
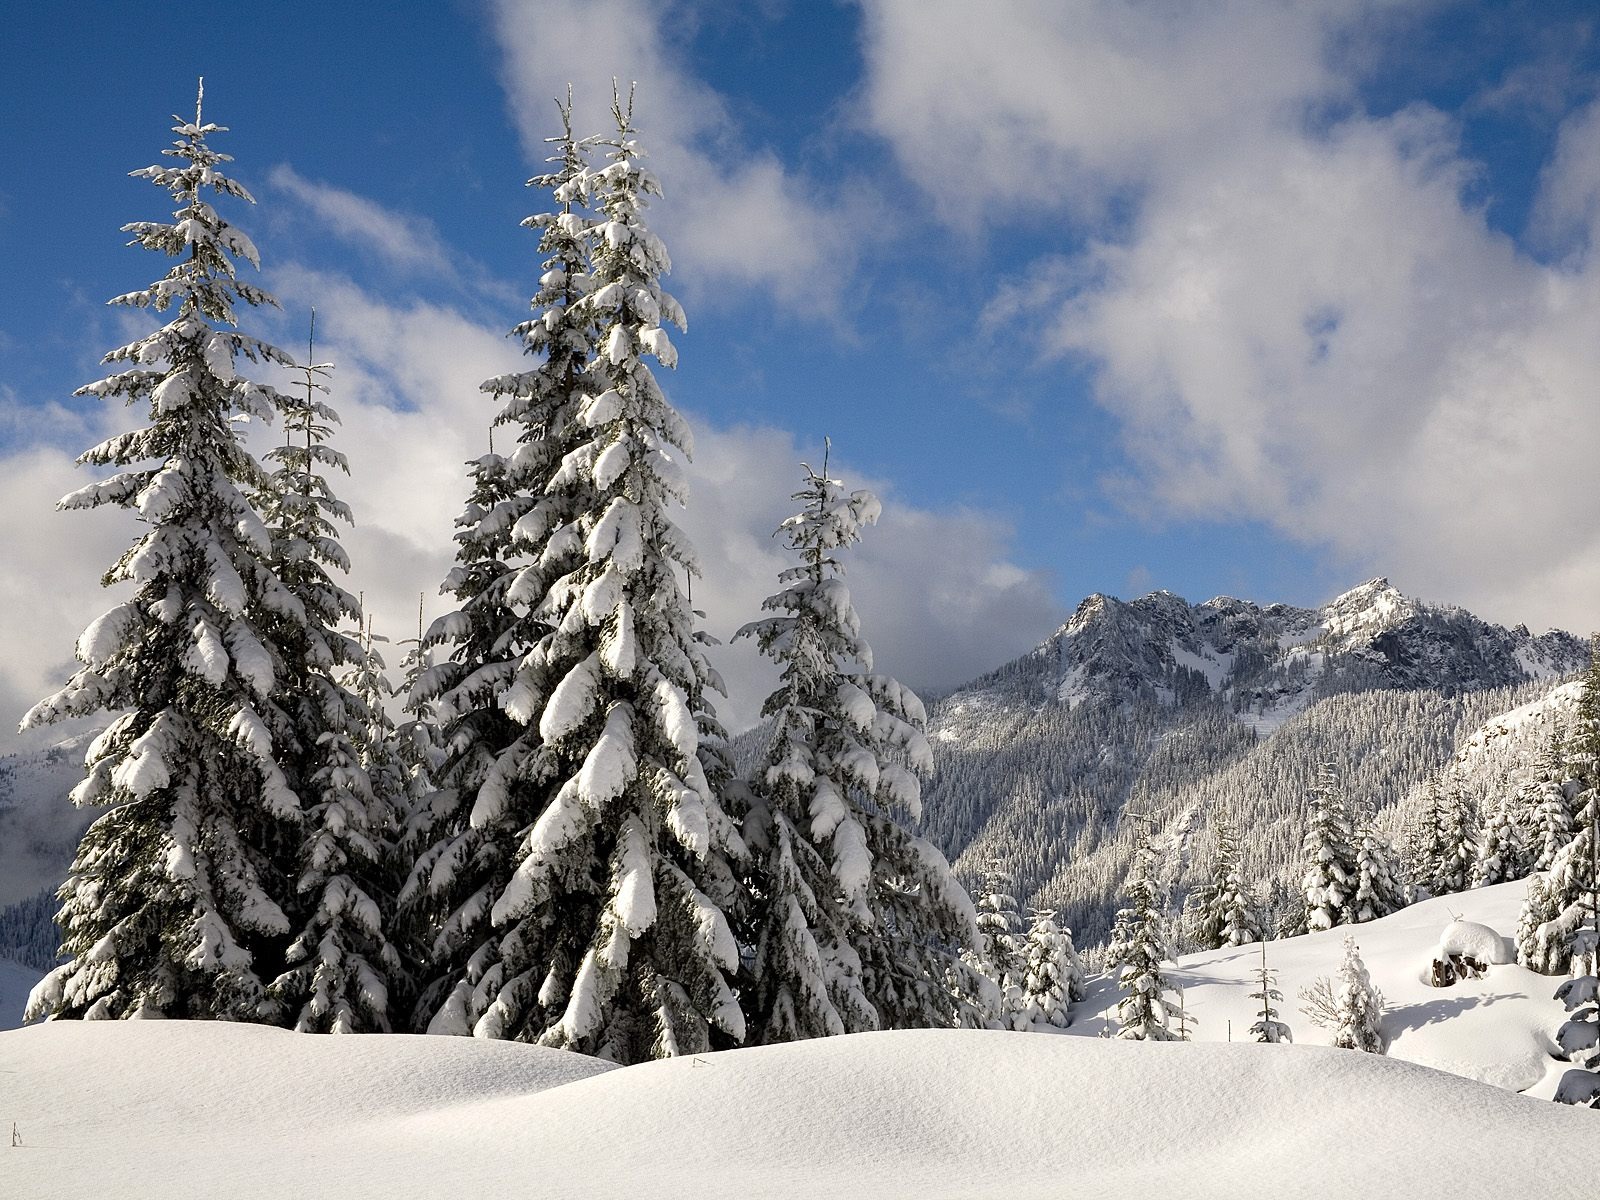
(1192, 709)
(1367, 610)
(1267, 662)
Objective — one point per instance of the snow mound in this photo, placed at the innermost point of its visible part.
(1475, 941)
(127, 1109)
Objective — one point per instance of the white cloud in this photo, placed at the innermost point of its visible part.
(406, 242)
(1301, 322)
(1567, 212)
(1029, 104)
(732, 215)
(50, 587)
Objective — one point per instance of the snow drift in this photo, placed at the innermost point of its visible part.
(157, 1109)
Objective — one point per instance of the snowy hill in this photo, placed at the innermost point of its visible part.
(127, 1108)
(157, 1109)
(1498, 1029)
(1186, 710)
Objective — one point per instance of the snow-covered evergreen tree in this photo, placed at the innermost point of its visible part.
(1267, 1027)
(1572, 884)
(1378, 893)
(1427, 850)
(1579, 1036)
(340, 964)
(175, 905)
(840, 774)
(1569, 889)
(1457, 842)
(1549, 804)
(343, 968)
(1226, 914)
(1578, 864)
(516, 539)
(805, 977)
(1538, 909)
(1000, 939)
(418, 742)
(1332, 871)
(611, 935)
(1502, 853)
(1358, 1006)
(1052, 975)
(1139, 953)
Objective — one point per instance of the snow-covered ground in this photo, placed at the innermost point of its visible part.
(1499, 1029)
(162, 1109)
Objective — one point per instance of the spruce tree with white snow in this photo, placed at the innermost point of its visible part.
(1140, 957)
(857, 922)
(178, 899)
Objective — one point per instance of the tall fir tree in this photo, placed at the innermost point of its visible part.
(1571, 891)
(1458, 840)
(418, 743)
(1332, 871)
(884, 929)
(805, 977)
(516, 539)
(1378, 892)
(1579, 1036)
(340, 965)
(1502, 851)
(1427, 845)
(1000, 940)
(1139, 954)
(613, 936)
(1549, 802)
(176, 901)
(1226, 915)
(1538, 909)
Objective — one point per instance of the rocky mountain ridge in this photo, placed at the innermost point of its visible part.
(1266, 662)
(1187, 711)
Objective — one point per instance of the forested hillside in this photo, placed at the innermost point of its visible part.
(1181, 713)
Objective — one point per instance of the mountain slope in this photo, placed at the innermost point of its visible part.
(1181, 712)
(39, 827)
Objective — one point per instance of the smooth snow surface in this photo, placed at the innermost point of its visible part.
(128, 1108)
(135, 1109)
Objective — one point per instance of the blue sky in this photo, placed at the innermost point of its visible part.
(1239, 297)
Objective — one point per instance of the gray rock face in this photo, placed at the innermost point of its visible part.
(1258, 659)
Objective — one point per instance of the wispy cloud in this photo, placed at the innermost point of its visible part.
(733, 214)
(406, 243)
(1293, 308)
